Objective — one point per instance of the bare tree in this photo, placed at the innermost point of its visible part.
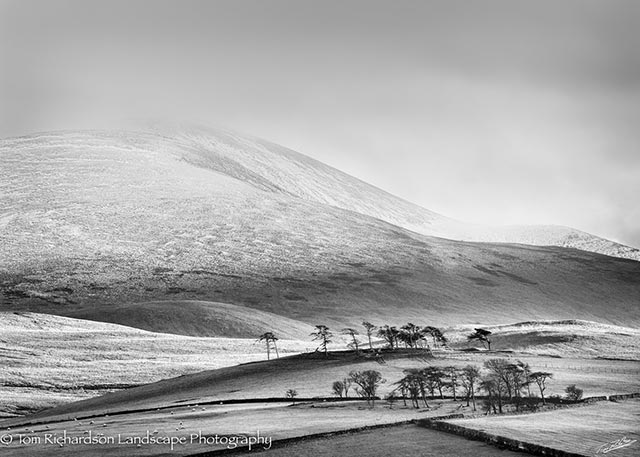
(470, 376)
(499, 382)
(269, 339)
(493, 386)
(540, 378)
(390, 335)
(453, 373)
(503, 370)
(436, 335)
(323, 334)
(481, 335)
(403, 387)
(347, 385)
(338, 388)
(341, 388)
(422, 340)
(434, 378)
(352, 333)
(439, 336)
(413, 383)
(410, 334)
(369, 328)
(507, 379)
(405, 338)
(368, 381)
(518, 375)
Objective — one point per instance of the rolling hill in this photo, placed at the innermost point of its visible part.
(201, 318)
(312, 375)
(48, 360)
(99, 225)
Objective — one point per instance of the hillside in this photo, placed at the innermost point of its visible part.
(95, 223)
(312, 375)
(49, 360)
(271, 167)
(279, 169)
(200, 318)
(568, 338)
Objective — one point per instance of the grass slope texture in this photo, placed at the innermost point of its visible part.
(105, 225)
(312, 375)
(48, 360)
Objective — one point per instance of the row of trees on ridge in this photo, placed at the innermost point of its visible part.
(409, 335)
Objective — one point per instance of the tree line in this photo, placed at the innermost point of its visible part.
(365, 383)
(409, 336)
(501, 382)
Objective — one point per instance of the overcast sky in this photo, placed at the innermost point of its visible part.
(487, 111)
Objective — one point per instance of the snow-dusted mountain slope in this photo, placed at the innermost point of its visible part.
(93, 223)
(270, 167)
(280, 169)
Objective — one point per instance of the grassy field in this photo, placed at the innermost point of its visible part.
(276, 421)
(48, 360)
(51, 360)
(72, 355)
(583, 430)
(201, 318)
(389, 442)
(312, 375)
(569, 338)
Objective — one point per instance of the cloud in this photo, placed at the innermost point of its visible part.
(501, 111)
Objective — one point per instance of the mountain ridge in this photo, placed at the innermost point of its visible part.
(424, 221)
(95, 220)
(428, 222)
(244, 157)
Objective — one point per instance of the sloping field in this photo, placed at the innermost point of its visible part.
(571, 338)
(188, 405)
(48, 360)
(313, 374)
(586, 430)
(94, 222)
(274, 423)
(199, 318)
(195, 425)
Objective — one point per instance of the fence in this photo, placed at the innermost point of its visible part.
(437, 423)
(495, 440)
(624, 396)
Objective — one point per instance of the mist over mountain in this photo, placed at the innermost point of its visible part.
(95, 223)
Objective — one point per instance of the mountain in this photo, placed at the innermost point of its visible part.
(281, 169)
(105, 225)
